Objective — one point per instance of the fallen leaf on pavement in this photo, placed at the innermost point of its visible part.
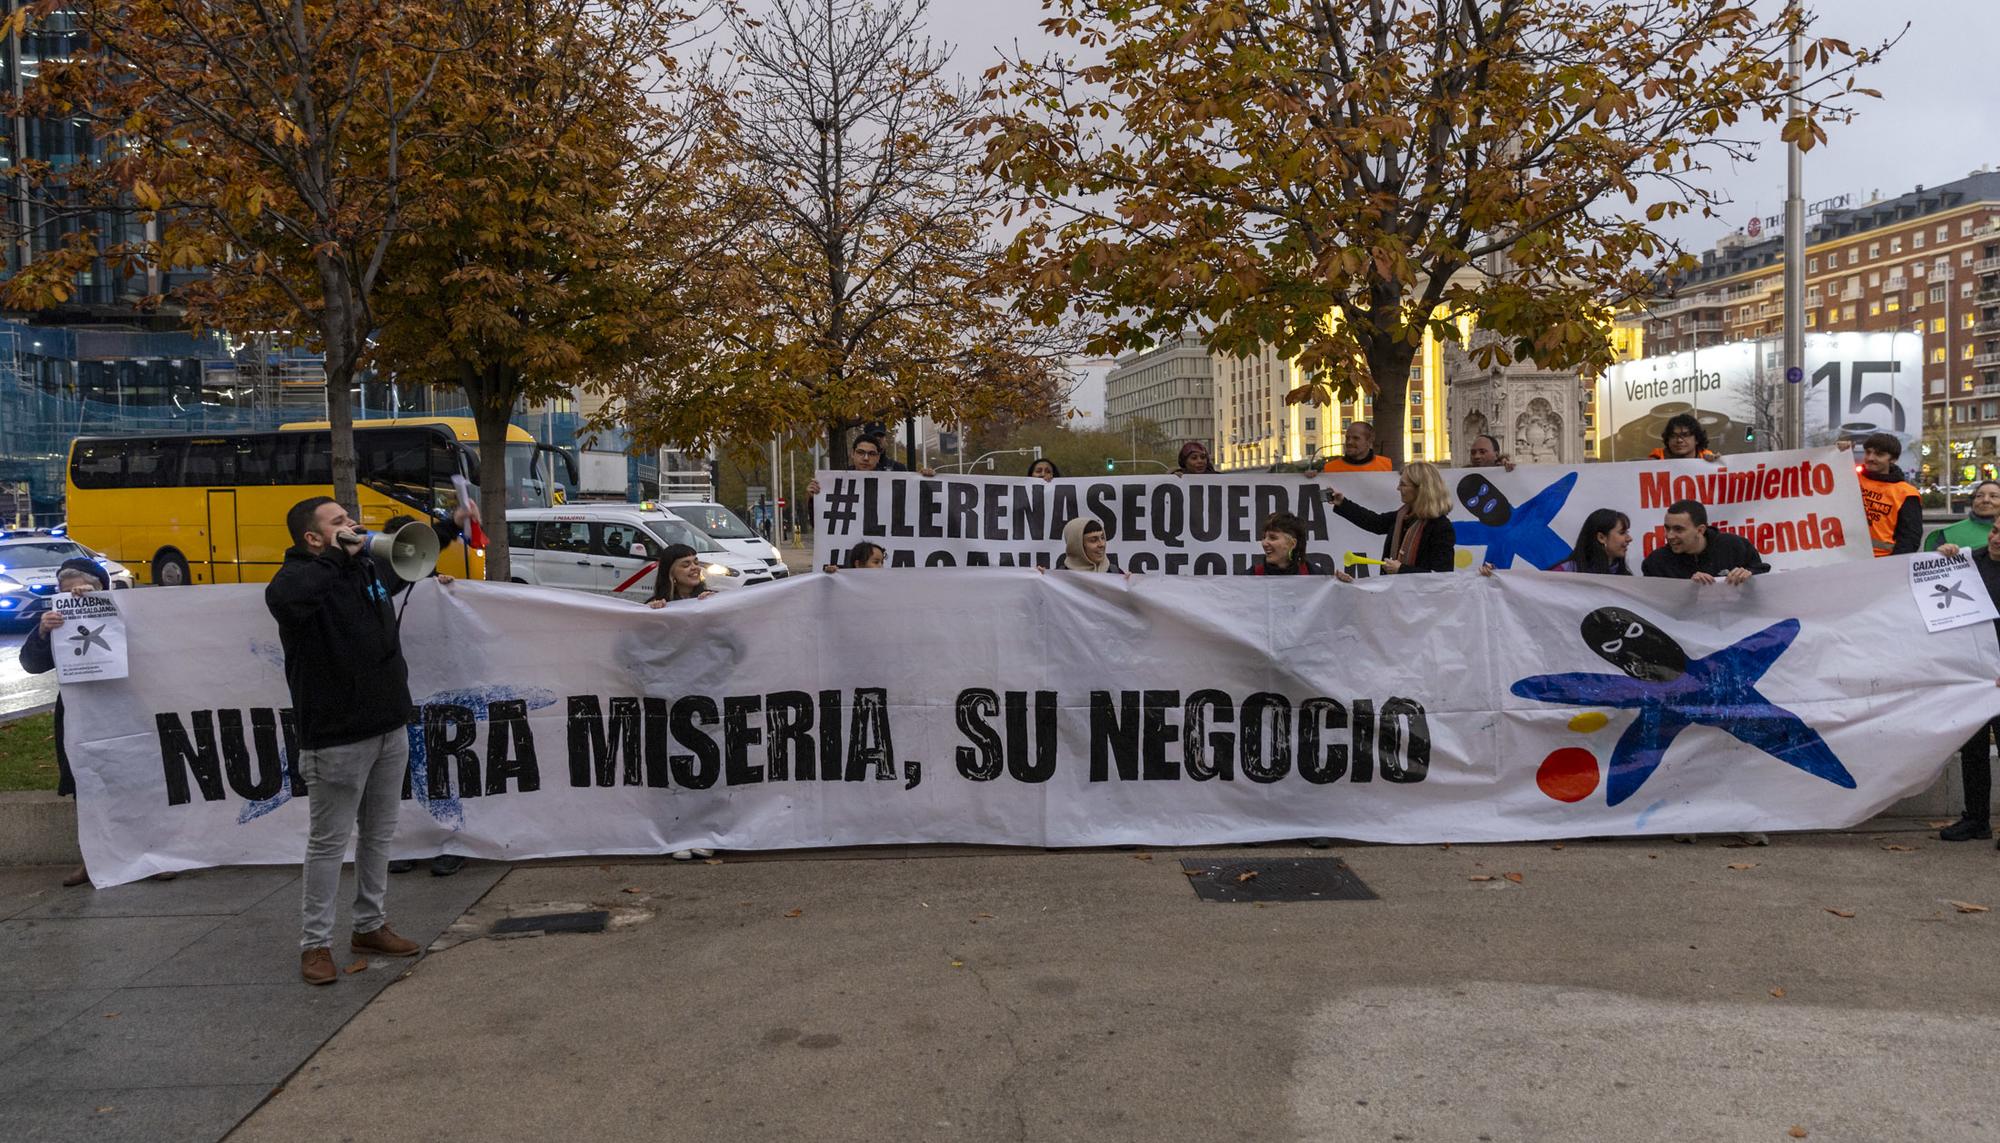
(1142, 857)
(1968, 907)
(1778, 992)
(1480, 877)
(1939, 825)
(986, 916)
(1514, 877)
(795, 913)
(358, 966)
(958, 964)
(1246, 875)
(633, 889)
(1652, 857)
(105, 1108)
(1841, 913)
(1797, 1132)
(1194, 872)
(1899, 849)
(1557, 845)
(111, 1015)
(711, 861)
(1742, 865)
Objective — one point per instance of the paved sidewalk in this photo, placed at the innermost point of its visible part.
(1627, 990)
(169, 1010)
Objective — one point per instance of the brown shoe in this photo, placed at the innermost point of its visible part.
(316, 966)
(385, 942)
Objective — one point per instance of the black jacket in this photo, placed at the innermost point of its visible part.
(1725, 551)
(38, 658)
(337, 620)
(1989, 574)
(1909, 534)
(1437, 548)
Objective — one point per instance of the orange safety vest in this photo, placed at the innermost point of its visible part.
(1883, 502)
(1378, 463)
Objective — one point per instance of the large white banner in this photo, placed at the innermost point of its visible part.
(1003, 706)
(1800, 508)
(1852, 384)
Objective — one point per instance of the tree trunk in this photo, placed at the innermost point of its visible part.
(836, 446)
(490, 415)
(342, 343)
(1389, 365)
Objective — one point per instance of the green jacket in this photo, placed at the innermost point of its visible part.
(1967, 533)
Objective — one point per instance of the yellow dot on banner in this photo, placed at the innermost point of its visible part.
(1588, 721)
(1462, 558)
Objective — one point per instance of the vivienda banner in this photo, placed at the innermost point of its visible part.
(1800, 508)
(1008, 707)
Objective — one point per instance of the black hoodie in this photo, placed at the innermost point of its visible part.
(337, 620)
(1909, 533)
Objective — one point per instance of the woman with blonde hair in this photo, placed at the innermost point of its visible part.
(1417, 537)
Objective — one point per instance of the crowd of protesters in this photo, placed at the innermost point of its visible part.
(343, 662)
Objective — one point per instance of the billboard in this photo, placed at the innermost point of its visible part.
(1853, 384)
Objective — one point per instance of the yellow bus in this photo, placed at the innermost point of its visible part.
(210, 507)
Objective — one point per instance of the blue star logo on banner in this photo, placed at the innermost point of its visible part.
(1508, 532)
(1672, 693)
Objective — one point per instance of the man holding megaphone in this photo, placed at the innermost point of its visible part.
(351, 696)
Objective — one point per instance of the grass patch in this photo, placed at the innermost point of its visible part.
(28, 753)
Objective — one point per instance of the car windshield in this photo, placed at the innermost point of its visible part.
(675, 532)
(714, 519)
(40, 554)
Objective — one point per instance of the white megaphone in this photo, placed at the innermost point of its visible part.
(411, 551)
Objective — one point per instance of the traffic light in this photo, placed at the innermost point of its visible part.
(1750, 435)
(1110, 464)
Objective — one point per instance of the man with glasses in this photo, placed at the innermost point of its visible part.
(1683, 438)
(869, 453)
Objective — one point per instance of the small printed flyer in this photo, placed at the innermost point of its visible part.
(90, 645)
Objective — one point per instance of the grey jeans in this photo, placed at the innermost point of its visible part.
(361, 780)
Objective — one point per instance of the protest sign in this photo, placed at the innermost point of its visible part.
(1800, 508)
(1949, 592)
(1005, 707)
(90, 645)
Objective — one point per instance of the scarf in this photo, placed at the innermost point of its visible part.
(1073, 557)
(1405, 544)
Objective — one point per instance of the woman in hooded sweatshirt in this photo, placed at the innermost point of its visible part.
(1971, 531)
(1416, 537)
(679, 578)
(1083, 547)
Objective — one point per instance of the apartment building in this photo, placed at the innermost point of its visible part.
(1171, 385)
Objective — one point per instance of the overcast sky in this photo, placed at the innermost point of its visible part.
(1937, 120)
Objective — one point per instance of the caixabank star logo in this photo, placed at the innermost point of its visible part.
(1507, 531)
(1672, 692)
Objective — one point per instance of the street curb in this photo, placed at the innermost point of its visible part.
(18, 715)
(37, 828)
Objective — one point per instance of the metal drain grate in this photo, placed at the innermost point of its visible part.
(1277, 879)
(591, 922)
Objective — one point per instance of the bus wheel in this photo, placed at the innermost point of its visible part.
(170, 569)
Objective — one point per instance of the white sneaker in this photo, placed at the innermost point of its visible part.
(1754, 838)
(691, 854)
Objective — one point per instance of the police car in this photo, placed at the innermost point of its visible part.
(28, 563)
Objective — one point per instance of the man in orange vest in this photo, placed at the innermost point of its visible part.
(1895, 511)
(1357, 452)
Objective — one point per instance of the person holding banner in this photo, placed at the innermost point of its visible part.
(1601, 545)
(1975, 763)
(1084, 542)
(1485, 453)
(351, 696)
(1357, 452)
(1284, 542)
(1694, 552)
(77, 576)
(862, 555)
(1683, 438)
(679, 577)
(1417, 537)
(868, 454)
(1972, 531)
(1894, 508)
(1044, 469)
(1193, 460)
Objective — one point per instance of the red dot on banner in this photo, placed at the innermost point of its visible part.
(1568, 775)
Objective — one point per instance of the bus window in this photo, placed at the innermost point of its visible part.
(209, 463)
(303, 458)
(396, 462)
(256, 458)
(152, 462)
(99, 464)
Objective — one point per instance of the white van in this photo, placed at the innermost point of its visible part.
(729, 530)
(614, 549)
